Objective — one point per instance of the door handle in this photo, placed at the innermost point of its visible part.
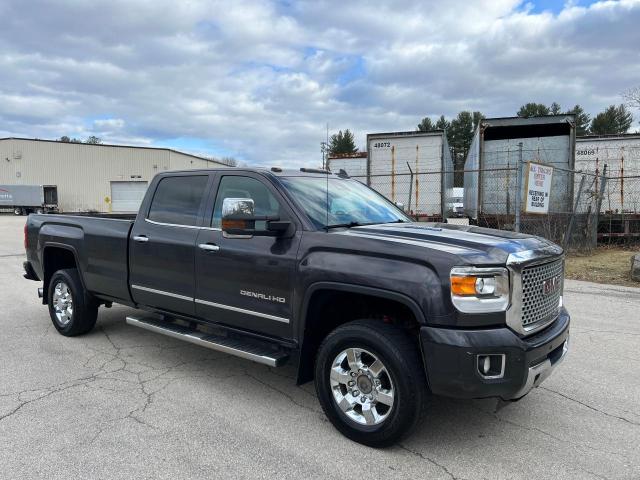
(209, 247)
(141, 238)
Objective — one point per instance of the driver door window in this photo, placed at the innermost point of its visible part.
(233, 186)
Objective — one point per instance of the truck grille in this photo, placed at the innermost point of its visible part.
(538, 305)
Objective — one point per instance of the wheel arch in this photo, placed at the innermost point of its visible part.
(318, 297)
(57, 257)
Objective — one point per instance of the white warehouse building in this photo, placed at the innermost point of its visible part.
(102, 178)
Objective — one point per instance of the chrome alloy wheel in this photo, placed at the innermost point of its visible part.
(361, 386)
(62, 303)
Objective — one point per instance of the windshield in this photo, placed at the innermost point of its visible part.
(350, 202)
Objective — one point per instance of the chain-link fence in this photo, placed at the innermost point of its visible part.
(577, 218)
(619, 219)
(572, 217)
(421, 195)
(620, 214)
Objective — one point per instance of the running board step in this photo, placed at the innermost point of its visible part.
(232, 346)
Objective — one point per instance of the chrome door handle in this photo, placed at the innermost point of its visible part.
(141, 238)
(208, 247)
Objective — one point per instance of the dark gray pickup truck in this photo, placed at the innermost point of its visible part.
(319, 270)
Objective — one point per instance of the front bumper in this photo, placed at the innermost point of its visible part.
(451, 359)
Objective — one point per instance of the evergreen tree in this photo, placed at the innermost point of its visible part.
(613, 120)
(342, 143)
(533, 110)
(425, 125)
(555, 109)
(442, 124)
(583, 120)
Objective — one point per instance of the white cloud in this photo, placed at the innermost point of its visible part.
(260, 79)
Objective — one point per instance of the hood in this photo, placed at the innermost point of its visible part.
(476, 245)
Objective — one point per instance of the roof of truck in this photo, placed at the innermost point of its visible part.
(276, 171)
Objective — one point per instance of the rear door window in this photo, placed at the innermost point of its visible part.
(177, 200)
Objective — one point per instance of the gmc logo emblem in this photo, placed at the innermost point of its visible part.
(550, 285)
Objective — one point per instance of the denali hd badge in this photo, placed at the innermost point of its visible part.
(550, 285)
(262, 296)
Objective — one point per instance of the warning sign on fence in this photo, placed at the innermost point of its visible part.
(538, 188)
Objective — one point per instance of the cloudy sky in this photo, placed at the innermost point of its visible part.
(259, 80)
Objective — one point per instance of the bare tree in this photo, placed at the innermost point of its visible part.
(632, 96)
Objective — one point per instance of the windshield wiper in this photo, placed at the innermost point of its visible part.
(358, 224)
(345, 225)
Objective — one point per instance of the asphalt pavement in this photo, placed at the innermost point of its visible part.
(121, 402)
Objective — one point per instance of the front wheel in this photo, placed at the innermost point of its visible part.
(17, 211)
(370, 382)
(73, 311)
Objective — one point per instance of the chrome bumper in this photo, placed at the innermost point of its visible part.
(539, 372)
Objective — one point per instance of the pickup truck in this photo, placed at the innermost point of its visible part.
(317, 269)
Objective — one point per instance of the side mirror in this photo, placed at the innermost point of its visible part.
(239, 220)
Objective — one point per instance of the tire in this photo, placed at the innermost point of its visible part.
(17, 211)
(402, 382)
(39, 211)
(82, 315)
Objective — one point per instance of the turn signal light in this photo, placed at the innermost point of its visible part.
(463, 285)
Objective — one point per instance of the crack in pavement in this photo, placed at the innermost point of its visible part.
(48, 392)
(611, 415)
(549, 435)
(283, 393)
(431, 461)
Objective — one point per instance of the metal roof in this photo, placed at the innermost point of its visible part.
(544, 119)
(610, 136)
(111, 145)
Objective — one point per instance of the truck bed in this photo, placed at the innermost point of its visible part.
(99, 243)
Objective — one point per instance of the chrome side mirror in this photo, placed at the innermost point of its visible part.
(238, 219)
(237, 206)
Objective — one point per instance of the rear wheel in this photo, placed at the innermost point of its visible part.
(17, 211)
(39, 211)
(370, 382)
(73, 311)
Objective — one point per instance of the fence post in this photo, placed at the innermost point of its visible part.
(569, 233)
(594, 234)
(518, 188)
(410, 187)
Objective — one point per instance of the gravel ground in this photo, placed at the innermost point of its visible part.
(121, 402)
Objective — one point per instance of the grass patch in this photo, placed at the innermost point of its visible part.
(607, 264)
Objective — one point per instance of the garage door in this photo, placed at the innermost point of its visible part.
(127, 196)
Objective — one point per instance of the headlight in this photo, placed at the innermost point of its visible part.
(480, 290)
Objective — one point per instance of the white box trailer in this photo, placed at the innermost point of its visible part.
(25, 199)
(491, 164)
(412, 168)
(621, 155)
(355, 165)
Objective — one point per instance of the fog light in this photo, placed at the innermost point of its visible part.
(491, 366)
(486, 364)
